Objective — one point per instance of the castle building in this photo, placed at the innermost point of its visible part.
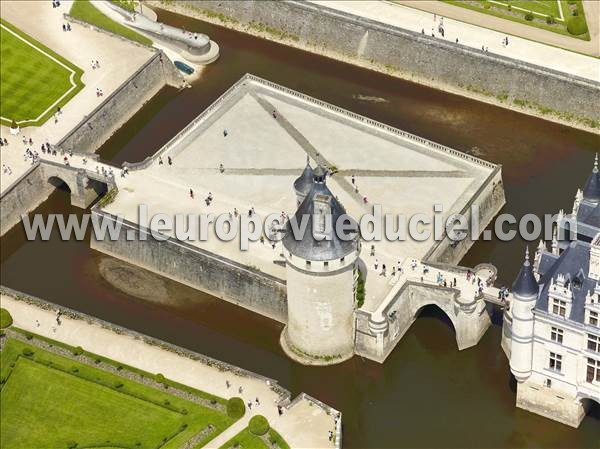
(321, 269)
(551, 331)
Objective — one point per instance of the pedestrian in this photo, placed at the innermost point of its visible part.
(457, 40)
(64, 27)
(169, 160)
(225, 133)
(249, 405)
(376, 264)
(353, 180)
(160, 161)
(330, 435)
(280, 410)
(221, 168)
(240, 390)
(68, 26)
(191, 194)
(274, 114)
(257, 402)
(227, 384)
(383, 269)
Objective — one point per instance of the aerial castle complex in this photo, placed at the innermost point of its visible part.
(552, 328)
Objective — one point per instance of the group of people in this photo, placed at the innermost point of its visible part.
(95, 64)
(66, 26)
(55, 4)
(99, 92)
(169, 160)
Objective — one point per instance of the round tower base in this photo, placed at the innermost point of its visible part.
(307, 359)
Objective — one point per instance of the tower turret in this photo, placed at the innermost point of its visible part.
(320, 266)
(525, 292)
(591, 190)
(304, 182)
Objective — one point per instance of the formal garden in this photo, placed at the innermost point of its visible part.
(57, 396)
(560, 16)
(34, 80)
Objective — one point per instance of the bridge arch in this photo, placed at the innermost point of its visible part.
(591, 405)
(59, 183)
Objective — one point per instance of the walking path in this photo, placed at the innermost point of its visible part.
(592, 16)
(472, 35)
(80, 46)
(302, 425)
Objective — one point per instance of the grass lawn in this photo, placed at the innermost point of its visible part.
(49, 401)
(516, 10)
(84, 10)
(247, 440)
(34, 80)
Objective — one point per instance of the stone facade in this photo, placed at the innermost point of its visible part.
(419, 57)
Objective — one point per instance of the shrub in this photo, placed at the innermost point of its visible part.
(74, 369)
(159, 378)
(77, 351)
(575, 12)
(258, 425)
(118, 384)
(235, 408)
(5, 318)
(27, 352)
(577, 26)
(529, 16)
(72, 444)
(550, 20)
(28, 336)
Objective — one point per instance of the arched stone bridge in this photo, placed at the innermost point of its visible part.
(378, 332)
(85, 184)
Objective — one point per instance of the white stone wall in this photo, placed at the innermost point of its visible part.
(321, 312)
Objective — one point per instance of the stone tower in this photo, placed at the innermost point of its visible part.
(525, 293)
(320, 271)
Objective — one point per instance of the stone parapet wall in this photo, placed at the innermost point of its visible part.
(101, 123)
(25, 194)
(200, 269)
(407, 54)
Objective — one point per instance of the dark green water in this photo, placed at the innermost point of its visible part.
(427, 394)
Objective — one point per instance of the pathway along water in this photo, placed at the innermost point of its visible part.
(427, 394)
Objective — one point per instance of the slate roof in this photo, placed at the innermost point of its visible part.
(308, 247)
(525, 284)
(591, 190)
(304, 182)
(573, 263)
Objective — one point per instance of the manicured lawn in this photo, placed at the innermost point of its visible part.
(541, 10)
(34, 80)
(247, 440)
(48, 401)
(84, 10)
(5, 318)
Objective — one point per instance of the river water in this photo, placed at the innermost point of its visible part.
(427, 394)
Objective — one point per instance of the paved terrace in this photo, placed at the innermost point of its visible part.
(80, 46)
(302, 425)
(473, 36)
(262, 156)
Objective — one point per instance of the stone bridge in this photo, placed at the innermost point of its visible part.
(85, 184)
(420, 285)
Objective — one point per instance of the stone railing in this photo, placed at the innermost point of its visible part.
(323, 104)
(390, 129)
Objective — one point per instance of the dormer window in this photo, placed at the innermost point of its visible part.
(593, 318)
(559, 307)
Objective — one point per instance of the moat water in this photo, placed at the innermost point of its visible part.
(427, 394)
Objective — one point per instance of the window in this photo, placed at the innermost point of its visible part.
(559, 307)
(593, 370)
(593, 343)
(556, 335)
(593, 318)
(555, 362)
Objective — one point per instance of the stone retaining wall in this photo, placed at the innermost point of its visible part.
(422, 58)
(25, 194)
(101, 123)
(200, 269)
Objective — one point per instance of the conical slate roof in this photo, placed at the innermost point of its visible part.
(525, 284)
(307, 246)
(591, 190)
(304, 182)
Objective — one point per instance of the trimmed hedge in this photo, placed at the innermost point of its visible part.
(5, 319)
(258, 425)
(236, 408)
(577, 25)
